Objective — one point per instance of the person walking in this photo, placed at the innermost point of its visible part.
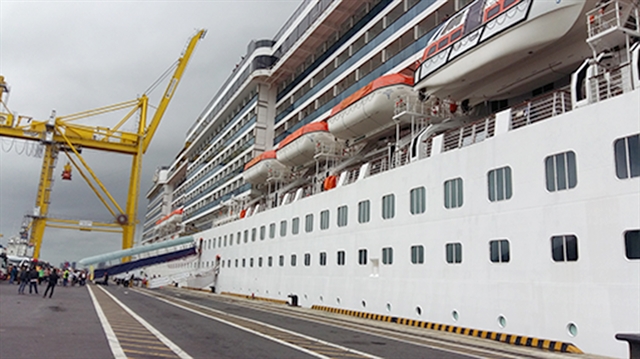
(33, 280)
(52, 281)
(23, 277)
(65, 277)
(13, 274)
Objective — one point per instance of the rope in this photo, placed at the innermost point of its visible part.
(162, 77)
(21, 151)
(11, 142)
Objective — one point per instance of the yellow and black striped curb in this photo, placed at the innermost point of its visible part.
(198, 289)
(545, 344)
(253, 297)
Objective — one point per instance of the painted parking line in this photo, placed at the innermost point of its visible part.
(163, 339)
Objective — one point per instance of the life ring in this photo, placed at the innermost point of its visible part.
(330, 182)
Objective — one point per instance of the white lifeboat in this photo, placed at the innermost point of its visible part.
(263, 166)
(484, 49)
(370, 109)
(299, 148)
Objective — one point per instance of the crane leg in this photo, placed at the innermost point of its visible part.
(43, 198)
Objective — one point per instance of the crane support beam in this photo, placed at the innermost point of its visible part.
(28, 135)
(43, 198)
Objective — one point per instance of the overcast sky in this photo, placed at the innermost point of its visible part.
(73, 56)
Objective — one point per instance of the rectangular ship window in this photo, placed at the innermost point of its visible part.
(362, 257)
(453, 193)
(270, 261)
(341, 258)
(343, 212)
(263, 231)
(499, 182)
(246, 235)
(388, 206)
(499, 251)
(323, 258)
(632, 244)
(238, 238)
(272, 230)
(281, 260)
(253, 234)
(627, 156)
(564, 248)
(454, 252)
(561, 171)
(418, 200)
(307, 259)
(417, 254)
(295, 226)
(324, 219)
(363, 211)
(283, 228)
(387, 255)
(308, 223)
(294, 258)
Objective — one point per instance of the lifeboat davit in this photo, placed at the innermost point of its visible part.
(299, 148)
(370, 109)
(484, 49)
(263, 166)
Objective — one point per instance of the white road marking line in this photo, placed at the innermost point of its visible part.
(316, 340)
(176, 349)
(114, 344)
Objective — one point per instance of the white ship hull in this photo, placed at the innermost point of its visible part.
(537, 296)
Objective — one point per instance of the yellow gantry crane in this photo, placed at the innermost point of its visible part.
(62, 134)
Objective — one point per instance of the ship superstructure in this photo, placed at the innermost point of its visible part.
(384, 157)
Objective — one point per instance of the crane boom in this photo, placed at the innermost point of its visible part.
(171, 88)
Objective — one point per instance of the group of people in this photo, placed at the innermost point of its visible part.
(34, 275)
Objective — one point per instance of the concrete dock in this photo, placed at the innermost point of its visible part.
(117, 322)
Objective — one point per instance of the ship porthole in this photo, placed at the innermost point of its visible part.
(455, 315)
(572, 329)
(388, 307)
(321, 298)
(418, 310)
(306, 297)
(502, 321)
(338, 300)
(364, 304)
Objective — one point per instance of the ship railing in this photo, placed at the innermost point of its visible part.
(332, 150)
(611, 83)
(352, 176)
(469, 134)
(379, 165)
(541, 108)
(613, 15)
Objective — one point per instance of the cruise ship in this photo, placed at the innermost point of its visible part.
(469, 163)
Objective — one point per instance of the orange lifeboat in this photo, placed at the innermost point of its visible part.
(263, 166)
(299, 148)
(370, 109)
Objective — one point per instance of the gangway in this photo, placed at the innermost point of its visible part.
(165, 251)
